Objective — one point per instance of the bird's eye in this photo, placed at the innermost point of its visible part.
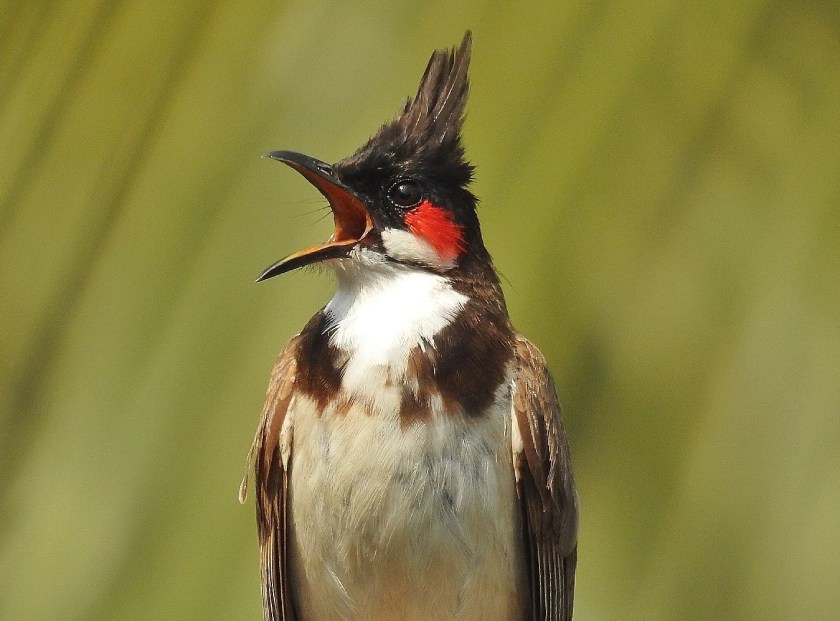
(405, 193)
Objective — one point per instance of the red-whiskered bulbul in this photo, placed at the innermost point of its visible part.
(410, 460)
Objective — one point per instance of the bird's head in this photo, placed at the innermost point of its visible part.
(402, 197)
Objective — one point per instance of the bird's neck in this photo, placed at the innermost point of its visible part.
(380, 314)
(397, 329)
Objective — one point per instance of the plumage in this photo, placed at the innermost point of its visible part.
(543, 471)
(270, 452)
(410, 461)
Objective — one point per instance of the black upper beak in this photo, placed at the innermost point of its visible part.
(352, 221)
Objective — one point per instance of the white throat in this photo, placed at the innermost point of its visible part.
(382, 311)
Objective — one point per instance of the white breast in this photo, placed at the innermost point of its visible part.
(392, 520)
(409, 523)
(380, 313)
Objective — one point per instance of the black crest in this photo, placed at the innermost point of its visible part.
(436, 113)
(428, 129)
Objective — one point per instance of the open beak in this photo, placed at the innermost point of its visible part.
(352, 221)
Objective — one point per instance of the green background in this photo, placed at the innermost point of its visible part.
(660, 185)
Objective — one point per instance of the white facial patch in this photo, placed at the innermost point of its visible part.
(406, 246)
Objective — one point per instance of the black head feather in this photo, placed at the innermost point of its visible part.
(427, 132)
(436, 113)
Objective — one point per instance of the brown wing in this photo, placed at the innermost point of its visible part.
(270, 453)
(546, 487)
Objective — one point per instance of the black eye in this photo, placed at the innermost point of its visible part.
(405, 193)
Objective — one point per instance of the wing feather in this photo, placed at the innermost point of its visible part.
(270, 454)
(546, 487)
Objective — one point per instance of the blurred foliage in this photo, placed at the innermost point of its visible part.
(660, 185)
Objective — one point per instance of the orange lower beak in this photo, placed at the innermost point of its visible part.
(352, 221)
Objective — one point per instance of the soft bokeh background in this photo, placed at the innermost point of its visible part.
(660, 185)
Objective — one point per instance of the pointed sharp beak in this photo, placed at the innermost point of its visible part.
(352, 221)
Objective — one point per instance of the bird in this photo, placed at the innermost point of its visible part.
(410, 461)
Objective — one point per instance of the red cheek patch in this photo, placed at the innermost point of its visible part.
(434, 225)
